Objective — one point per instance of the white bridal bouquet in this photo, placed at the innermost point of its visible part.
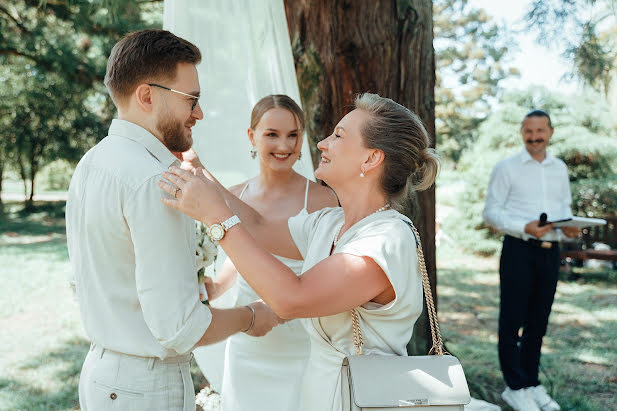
(205, 255)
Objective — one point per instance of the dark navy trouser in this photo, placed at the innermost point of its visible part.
(528, 279)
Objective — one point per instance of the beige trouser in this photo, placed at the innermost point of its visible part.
(111, 380)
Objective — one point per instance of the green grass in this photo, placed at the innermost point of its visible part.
(43, 344)
(579, 356)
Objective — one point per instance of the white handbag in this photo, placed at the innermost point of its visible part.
(381, 382)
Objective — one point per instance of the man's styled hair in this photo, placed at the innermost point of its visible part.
(538, 113)
(146, 56)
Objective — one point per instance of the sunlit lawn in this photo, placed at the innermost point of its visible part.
(579, 361)
(43, 344)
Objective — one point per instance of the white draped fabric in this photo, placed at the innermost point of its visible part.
(246, 55)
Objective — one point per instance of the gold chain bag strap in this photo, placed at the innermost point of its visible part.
(387, 382)
(438, 347)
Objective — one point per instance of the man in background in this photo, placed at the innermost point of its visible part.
(521, 188)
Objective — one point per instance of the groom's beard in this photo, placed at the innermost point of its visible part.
(173, 133)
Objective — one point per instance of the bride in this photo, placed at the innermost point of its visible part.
(266, 373)
(358, 256)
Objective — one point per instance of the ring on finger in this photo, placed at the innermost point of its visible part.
(176, 192)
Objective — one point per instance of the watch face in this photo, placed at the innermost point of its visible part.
(216, 232)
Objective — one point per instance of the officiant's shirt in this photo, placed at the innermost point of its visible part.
(133, 258)
(521, 188)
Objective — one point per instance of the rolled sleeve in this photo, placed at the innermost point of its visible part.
(165, 272)
(193, 329)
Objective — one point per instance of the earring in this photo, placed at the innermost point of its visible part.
(362, 172)
(253, 153)
(300, 156)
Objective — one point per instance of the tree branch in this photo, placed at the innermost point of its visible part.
(15, 20)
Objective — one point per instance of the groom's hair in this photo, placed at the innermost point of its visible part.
(146, 56)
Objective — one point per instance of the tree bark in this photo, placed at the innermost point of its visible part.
(2, 164)
(344, 47)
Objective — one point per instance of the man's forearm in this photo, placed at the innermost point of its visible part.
(225, 322)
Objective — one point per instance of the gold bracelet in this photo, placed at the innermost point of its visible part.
(252, 318)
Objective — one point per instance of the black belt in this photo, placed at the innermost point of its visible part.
(547, 245)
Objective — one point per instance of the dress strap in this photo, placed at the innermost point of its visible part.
(243, 190)
(306, 194)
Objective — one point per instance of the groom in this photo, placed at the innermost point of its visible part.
(133, 259)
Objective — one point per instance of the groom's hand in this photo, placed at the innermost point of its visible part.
(265, 319)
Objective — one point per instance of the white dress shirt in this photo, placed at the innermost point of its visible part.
(521, 188)
(133, 258)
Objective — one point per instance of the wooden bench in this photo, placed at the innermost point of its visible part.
(606, 234)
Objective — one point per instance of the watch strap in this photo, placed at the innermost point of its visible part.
(230, 222)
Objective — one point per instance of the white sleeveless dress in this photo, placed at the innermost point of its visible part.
(265, 373)
(389, 241)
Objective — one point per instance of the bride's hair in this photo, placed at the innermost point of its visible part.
(410, 162)
(277, 101)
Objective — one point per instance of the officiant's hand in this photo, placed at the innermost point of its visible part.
(570, 232)
(265, 319)
(535, 230)
(195, 196)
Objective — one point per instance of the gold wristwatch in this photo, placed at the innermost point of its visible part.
(216, 232)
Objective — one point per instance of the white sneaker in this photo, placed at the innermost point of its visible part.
(520, 400)
(541, 397)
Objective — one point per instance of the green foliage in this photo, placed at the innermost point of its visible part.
(53, 55)
(56, 176)
(471, 55)
(586, 30)
(583, 139)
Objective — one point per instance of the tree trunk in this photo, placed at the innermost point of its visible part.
(345, 47)
(31, 198)
(34, 168)
(22, 174)
(2, 163)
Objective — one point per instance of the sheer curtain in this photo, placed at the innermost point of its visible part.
(246, 55)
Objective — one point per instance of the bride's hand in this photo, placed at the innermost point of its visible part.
(211, 288)
(195, 196)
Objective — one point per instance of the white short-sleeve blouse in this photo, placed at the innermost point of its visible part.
(386, 238)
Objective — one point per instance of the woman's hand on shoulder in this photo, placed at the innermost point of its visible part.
(196, 197)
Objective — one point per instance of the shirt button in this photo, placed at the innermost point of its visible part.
(113, 396)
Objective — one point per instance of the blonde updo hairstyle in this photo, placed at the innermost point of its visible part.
(410, 162)
(277, 101)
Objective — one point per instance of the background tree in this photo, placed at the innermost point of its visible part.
(54, 55)
(342, 48)
(471, 54)
(586, 30)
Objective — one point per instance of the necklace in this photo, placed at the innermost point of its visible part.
(338, 232)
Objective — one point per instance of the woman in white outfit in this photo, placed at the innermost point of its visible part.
(266, 373)
(358, 256)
